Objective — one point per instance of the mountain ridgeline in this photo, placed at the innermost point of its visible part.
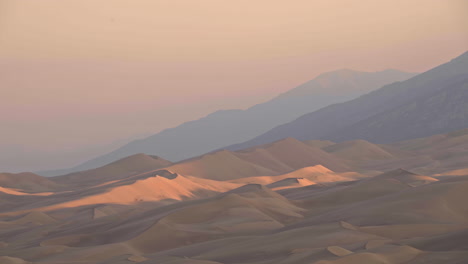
(228, 127)
(430, 103)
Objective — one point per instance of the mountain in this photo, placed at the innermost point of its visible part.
(228, 127)
(430, 103)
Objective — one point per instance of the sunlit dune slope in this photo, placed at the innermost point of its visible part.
(318, 173)
(273, 159)
(161, 185)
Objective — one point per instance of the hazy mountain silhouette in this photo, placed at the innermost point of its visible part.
(429, 103)
(227, 127)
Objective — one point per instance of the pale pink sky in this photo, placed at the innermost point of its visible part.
(80, 73)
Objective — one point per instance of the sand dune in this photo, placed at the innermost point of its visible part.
(269, 160)
(395, 217)
(37, 218)
(272, 204)
(385, 254)
(120, 169)
(369, 188)
(445, 241)
(319, 143)
(11, 191)
(290, 183)
(33, 218)
(161, 185)
(28, 182)
(339, 251)
(12, 260)
(458, 172)
(435, 143)
(277, 248)
(293, 154)
(315, 173)
(358, 150)
(432, 203)
(246, 210)
(433, 155)
(221, 165)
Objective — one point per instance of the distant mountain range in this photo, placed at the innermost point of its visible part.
(228, 127)
(283, 159)
(430, 103)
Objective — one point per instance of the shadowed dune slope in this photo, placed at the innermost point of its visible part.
(271, 204)
(221, 165)
(319, 143)
(273, 159)
(290, 183)
(402, 199)
(27, 181)
(293, 153)
(246, 210)
(358, 150)
(114, 171)
(397, 217)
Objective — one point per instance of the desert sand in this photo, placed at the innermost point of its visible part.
(288, 202)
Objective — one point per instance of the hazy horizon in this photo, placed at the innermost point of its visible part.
(233, 132)
(84, 77)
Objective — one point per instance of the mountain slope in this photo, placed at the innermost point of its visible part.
(227, 127)
(439, 112)
(399, 107)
